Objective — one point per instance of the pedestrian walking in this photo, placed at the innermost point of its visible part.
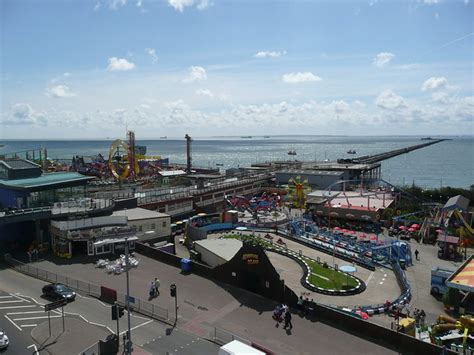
(288, 320)
(416, 254)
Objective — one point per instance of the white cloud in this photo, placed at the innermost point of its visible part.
(23, 114)
(388, 100)
(152, 53)
(139, 3)
(59, 91)
(116, 4)
(120, 64)
(203, 4)
(466, 2)
(300, 77)
(383, 59)
(97, 6)
(269, 54)
(435, 83)
(204, 92)
(431, 2)
(179, 5)
(195, 74)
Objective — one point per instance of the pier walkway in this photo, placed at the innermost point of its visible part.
(370, 159)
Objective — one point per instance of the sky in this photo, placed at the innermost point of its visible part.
(85, 69)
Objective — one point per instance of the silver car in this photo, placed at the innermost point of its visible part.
(3, 339)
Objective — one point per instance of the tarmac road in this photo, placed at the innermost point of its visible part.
(22, 311)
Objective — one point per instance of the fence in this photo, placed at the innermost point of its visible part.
(222, 336)
(94, 349)
(137, 304)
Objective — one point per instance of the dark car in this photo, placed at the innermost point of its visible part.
(59, 291)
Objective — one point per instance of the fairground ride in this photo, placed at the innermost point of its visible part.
(298, 190)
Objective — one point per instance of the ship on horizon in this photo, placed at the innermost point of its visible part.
(247, 137)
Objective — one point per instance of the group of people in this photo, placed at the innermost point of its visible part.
(420, 316)
(154, 288)
(282, 313)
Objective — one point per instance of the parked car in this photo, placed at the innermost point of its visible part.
(3, 340)
(59, 291)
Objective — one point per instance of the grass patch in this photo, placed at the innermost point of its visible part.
(329, 278)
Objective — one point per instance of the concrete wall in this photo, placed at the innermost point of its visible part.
(161, 226)
(208, 257)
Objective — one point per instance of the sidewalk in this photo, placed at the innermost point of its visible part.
(67, 342)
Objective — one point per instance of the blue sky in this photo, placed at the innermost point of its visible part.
(89, 69)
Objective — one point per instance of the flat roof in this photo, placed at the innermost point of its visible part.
(463, 278)
(310, 172)
(17, 164)
(355, 199)
(47, 181)
(136, 214)
(225, 248)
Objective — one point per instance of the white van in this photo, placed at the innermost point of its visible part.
(236, 347)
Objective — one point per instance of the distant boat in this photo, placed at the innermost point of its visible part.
(219, 164)
(292, 152)
(164, 137)
(351, 151)
(246, 137)
(2, 145)
(266, 136)
(426, 139)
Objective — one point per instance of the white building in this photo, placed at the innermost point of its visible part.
(149, 224)
(215, 252)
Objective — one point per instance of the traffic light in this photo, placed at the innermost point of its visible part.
(173, 290)
(114, 312)
(120, 311)
(117, 311)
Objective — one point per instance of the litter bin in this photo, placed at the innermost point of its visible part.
(185, 265)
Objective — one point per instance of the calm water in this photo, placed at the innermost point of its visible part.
(450, 163)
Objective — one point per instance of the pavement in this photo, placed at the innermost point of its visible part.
(205, 305)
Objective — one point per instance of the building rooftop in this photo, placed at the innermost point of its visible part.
(459, 202)
(46, 181)
(310, 172)
(136, 214)
(225, 248)
(463, 278)
(19, 164)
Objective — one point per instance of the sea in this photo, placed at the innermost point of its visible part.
(449, 163)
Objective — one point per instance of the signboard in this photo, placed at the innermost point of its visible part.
(57, 304)
(252, 259)
(131, 299)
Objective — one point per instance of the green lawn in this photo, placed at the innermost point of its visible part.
(320, 276)
(329, 278)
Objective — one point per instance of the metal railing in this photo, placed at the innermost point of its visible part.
(138, 305)
(222, 336)
(94, 349)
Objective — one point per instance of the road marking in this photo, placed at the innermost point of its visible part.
(42, 317)
(17, 295)
(98, 324)
(322, 277)
(12, 322)
(28, 325)
(14, 301)
(16, 307)
(110, 330)
(137, 326)
(369, 278)
(33, 346)
(6, 296)
(11, 313)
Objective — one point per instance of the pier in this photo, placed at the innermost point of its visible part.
(371, 159)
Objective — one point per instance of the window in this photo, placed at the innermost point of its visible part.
(140, 228)
(163, 224)
(153, 226)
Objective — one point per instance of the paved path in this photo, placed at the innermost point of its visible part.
(203, 305)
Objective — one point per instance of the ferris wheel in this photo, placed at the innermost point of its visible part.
(118, 159)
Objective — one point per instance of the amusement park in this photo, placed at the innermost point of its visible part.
(329, 240)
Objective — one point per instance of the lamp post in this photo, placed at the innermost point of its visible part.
(128, 348)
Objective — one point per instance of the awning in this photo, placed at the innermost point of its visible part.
(113, 241)
(448, 239)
